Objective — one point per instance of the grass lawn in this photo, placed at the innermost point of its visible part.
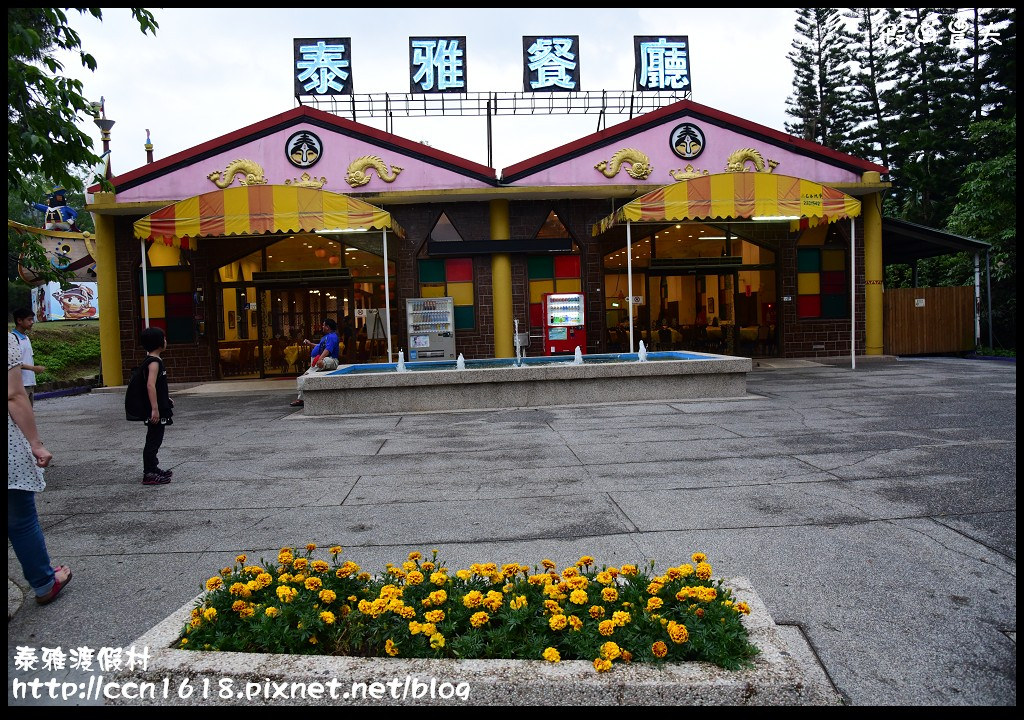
(70, 349)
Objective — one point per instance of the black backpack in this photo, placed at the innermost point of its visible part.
(136, 397)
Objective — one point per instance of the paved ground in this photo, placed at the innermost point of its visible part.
(874, 510)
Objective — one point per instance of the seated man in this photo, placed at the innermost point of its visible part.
(324, 356)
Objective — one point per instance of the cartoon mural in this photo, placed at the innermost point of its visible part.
(75, 302)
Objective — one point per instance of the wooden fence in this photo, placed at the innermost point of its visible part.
(923, 321)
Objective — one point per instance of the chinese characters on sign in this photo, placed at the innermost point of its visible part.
(322, 67)
(662, 63)
(437, 64)
(907, 31)
(551, 63)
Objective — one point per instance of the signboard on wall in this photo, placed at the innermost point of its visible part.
(78, 301)
(322, 66)
(551, 63)
(438, 65)
(662, 62)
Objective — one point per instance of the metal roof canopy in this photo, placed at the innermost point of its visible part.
(904, 242)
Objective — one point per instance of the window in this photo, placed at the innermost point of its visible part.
(171, 306)
(822, 288)
(451, 277)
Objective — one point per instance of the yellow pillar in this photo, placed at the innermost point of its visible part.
(106, 289)
(501, 283)
(871, 213)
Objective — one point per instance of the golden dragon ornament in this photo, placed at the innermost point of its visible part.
(356, 175)
(640, 167)
(251, 169)
(739, 158)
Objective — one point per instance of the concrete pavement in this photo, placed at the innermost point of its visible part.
(873, 510)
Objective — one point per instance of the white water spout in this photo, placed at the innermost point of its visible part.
(460, 362)
(515, 341)
(578, 360)
(641, 354)
(401, 362)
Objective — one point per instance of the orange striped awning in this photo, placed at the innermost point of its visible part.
(259, 210)
(737, 196)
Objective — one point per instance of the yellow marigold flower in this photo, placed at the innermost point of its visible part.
(570, 572)
(610, 650)
(673, 573)
(335, 550)
(703, 571)
(509, 569)
(609, 594)
(494, 601)
(408, 566)
(627, 656)
(621, 618)
(463, 574)
(654, 588)
(654, 603)
(237, 605)
(434, 616)
(214, 583)
(558, 621)
(436, 641)
(538, 579)
(271, 612)
(327, 596)
(390, 592)
(414, 628)
(552, 607)
(659, 649)
(686, 570)
(438, 578)
(314, 583)
(195, 622)
(585, 561)
(507, 587)
(264, 580)
(678, 632)
(577, 583)
(406, 612)
(743, 608)
(547, 564)
(490, 568)
(479, 619)
(629, 570)
(286, 593)
(310, 547)
(184, 642)
(551, 655)
(427, 566)
(414, 555)
(606, 627)
(328, 617)
(473, 599)
(575, 623)
(707, 594)
(438, 597)
(210, 614)
(605, 578)
(578, 597)
(226, 571)
(602, 665)
(195, 612)
(299, 578)
(300, 563)
(428, 629)
(240, 559)
(414, 578)
(239, 589)
(390, 648)
(363, 576)
(699, 557)
(519, 601)
(319, 566)
(596, 611)
(364, 607)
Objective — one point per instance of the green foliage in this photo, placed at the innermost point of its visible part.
(45, 146)
(68, 349)
(304, 606)
(18, 295)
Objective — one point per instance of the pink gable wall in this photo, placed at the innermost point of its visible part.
(654, 142)
(339, 150)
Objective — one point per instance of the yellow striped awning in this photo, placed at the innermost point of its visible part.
(259, 210)
(737, 196)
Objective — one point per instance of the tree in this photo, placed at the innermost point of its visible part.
(820, 57)
(872, 69)
(43, 109)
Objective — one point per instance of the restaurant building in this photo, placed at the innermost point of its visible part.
(685, 228)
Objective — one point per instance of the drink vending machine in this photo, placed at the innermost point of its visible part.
(430, 323)
(563, 323)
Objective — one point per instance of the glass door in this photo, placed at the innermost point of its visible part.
(287, 316)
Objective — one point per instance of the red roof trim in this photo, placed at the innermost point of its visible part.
(296, 115)
(679, 108)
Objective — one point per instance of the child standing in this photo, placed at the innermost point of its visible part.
(155, 342)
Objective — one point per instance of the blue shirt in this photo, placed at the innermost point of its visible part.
(328, 342)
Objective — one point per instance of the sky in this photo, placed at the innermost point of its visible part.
(210, 72)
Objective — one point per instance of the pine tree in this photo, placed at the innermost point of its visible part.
(820, 57)
(870, 138)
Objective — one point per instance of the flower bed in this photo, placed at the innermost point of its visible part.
(306, 606)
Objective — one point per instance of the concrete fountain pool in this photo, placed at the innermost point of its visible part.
(525, 382)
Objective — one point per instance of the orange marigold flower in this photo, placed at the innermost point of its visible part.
(610, 650)
(390, 648)
(558, 622)
(327, 596)
(314, 583)
(610, 594)
(547, 564)
(434, 616)
(271, 612)
(699, 557)
(606, 627)
(551, 655)
(659, 649)
(596, 611)
(575, 623)
(627, 656)
(743, 608)
(678, 632)
(602, 665)
(310, 547)
(585, 561)
(335, 550)
(629, 570)
(300, 563)
(414, 555)
(699, 612)
(479, 619)
(320, 566)
(654, 603)
(240, 559)
(237, 605)
(703, 571)
(605, 578)
(570, 572)
(247, 612)
(214, 583)
(654, 588)
(328, 617)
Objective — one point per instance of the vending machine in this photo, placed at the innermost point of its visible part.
(564, 324)
(430, 323)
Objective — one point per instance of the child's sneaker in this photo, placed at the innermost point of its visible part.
(166, 473)
(155, 478)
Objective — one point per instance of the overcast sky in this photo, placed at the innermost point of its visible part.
(209, 72)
